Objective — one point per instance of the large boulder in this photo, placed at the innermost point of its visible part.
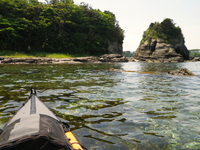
(162, 42)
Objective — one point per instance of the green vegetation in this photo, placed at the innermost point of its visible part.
(36, 54)
(166, 30)
(195, 53)
(128, 53)
(59, 26)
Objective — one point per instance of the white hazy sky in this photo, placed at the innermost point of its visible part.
(135, 16)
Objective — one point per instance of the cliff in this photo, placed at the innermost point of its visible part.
(162, 42)
(115, 48)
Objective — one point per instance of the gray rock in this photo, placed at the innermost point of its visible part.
(157, 50)
(195, 59)
(112, 58)
(181, 72)
(30, 60)
(6, 60)
(115, 48)
(89, 59)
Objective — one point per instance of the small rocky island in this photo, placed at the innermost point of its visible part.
(162, 42)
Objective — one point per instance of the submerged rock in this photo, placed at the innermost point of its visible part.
(181, 72)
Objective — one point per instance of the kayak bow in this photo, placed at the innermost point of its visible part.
(35, 126)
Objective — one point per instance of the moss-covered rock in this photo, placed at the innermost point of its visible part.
(162, 42)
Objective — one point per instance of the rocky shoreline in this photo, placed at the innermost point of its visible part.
(106, 58)
(109, 58)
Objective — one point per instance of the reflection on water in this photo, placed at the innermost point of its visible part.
(112, 109)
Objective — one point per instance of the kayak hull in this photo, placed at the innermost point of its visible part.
(35, 126)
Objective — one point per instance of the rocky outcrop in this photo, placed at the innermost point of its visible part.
(158, 50)
(112, 58)
(9, 60)
(162, 42)
(181, 72)
(90, 59)
(194, 59)
(115, 48)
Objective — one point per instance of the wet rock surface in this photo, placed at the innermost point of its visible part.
(158, 51)
(181, 72)
(106, 58)
(178, 72)
(194, 59)
(89, 59)
(112, 58)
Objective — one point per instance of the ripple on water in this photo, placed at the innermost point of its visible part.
(114, 110)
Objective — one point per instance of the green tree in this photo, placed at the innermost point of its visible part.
(57, 26)
(165, 30)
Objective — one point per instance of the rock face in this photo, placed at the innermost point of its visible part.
(158, 45)
(115, 48)
(158, 50)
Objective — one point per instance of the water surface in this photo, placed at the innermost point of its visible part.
(128, 110)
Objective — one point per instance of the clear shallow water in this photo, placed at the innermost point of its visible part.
(113, 109)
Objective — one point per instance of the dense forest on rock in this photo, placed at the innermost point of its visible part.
(166, 30)
(58, 26)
